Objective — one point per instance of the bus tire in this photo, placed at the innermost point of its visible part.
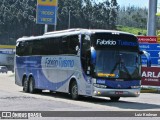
(114, 99)
(74, 90)
(31, 85)
(25, 85)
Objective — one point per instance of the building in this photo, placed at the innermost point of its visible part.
(7, 53)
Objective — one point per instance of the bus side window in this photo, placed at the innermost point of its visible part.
(21, 49)
(74, 42)
(53, 46)
(18, 47)
(37, 47)
(69, 44)
(64, 45)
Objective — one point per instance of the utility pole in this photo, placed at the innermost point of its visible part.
(151, 25)
(69, 19)
(45, 28)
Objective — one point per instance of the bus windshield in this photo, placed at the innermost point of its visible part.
(117, 64)
(116, 56)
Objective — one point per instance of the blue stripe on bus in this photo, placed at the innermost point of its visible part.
(119, 84)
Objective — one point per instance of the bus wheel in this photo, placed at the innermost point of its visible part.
(25, 85)
(114, 99)
(31, 85)
(74, 91)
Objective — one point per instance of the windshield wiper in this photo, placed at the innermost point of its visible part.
(121, 66)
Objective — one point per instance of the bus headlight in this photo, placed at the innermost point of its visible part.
(99, 86)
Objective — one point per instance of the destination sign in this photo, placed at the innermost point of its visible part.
(118, 42)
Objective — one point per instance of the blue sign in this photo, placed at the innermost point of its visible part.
(46, 11)
(46, 14)
(149, 46)
(154, 61)
(154, 52)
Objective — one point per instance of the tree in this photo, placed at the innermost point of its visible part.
(18, 17)
(113, 14)
(132, 16)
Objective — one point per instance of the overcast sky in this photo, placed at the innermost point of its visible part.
(138, 3)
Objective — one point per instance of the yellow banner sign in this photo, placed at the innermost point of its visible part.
(47, 2)
(8, 46)
(105, 75)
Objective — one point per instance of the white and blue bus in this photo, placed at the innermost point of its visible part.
(80, 62)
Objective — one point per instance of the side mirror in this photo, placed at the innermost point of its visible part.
(148, 58)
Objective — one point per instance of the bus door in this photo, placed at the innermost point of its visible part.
(86, 63)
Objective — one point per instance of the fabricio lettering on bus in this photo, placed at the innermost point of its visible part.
(118, 42)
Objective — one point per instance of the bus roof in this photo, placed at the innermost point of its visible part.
(71, 32)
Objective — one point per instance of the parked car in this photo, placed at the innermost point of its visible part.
(3, 69)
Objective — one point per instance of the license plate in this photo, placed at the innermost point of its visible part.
(119, 92)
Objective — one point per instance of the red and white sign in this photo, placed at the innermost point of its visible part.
(151, 76)
(147, 39)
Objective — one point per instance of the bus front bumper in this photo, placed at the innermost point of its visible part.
(116, 92)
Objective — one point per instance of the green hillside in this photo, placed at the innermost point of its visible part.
(135, 31)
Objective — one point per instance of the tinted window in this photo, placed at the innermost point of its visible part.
(21, 48)
(48, 46)
(51, 46)
(85, 51)
(69, 44)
